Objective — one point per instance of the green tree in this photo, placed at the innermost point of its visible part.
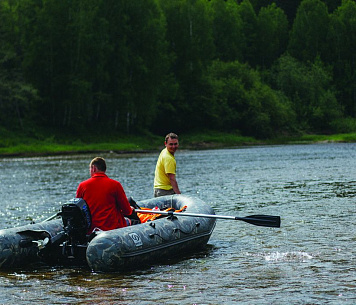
(17, 97)
(139, 61)
(46, 39)
(242, 101)
(249, 28)
(342, 54)
(289, 7)
(272, 35)
(310, 90)
(96, 63)
(308, 38)
(190, 37)
(227, 30)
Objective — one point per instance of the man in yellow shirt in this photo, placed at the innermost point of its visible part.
(165, 182)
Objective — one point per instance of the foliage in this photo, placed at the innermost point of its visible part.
(261, 68)
(93, 67)
(17, 96)
(245, 102)
(342, 55)
(272, 35)
(308, 38)
(309, 89)
(190, 42)
(249, 28)
(344, 125)
(229, 43)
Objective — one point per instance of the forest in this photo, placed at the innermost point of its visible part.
(253, 67)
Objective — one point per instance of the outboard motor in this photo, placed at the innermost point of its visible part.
(76, 219)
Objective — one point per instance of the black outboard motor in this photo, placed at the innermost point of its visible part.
(76, 219)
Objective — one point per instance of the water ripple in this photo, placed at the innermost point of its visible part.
(311, 259)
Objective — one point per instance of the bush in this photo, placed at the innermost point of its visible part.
(243, 101)
(344, 125)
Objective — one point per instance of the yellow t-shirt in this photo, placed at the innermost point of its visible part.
(166, 164)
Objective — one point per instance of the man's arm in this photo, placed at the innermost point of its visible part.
(174, 183)
(124, 206)
(79, 193)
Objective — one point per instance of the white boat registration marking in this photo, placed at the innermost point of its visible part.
(136, 239)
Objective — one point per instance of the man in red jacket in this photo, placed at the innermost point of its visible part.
(105, 197)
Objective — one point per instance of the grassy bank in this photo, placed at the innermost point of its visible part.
(22, 145)
(30, 146)
(214, 139)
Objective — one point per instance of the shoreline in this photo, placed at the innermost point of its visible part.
(142, 145)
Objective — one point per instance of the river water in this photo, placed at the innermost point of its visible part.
(311, 259)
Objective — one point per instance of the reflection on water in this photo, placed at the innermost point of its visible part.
(309, 260)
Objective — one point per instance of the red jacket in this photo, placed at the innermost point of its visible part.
(107, 202)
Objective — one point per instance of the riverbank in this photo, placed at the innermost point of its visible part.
(24, 146)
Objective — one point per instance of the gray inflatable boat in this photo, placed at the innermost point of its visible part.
(63, 242)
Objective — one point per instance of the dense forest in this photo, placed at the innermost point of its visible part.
(256, 67)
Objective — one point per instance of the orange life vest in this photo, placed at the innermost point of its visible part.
(151, 217)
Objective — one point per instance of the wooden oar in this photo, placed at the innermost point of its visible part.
(257, 220)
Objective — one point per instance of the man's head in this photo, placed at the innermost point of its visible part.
(98, 164)
(171, 142)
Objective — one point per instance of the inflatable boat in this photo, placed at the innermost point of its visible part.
(64, 242)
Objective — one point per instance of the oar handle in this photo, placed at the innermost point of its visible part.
(52, 217)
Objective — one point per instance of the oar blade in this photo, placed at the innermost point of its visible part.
(262, 220)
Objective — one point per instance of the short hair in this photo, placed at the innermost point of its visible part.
(100, 163)
(171, 135)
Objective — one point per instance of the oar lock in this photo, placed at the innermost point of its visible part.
(27, 242)
(41, 243)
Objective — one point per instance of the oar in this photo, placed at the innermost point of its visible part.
(52, 217)
(257, 220)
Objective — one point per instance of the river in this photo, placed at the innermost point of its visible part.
(311, 259)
